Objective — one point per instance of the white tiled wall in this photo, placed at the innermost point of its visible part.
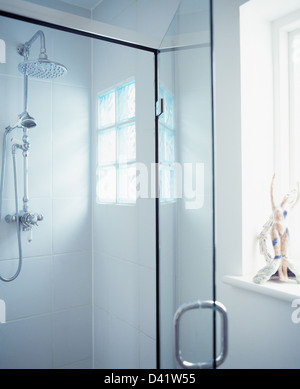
(124, 235)
(49, 306)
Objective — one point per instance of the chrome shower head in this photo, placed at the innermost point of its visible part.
(26, 120)
(42, 68)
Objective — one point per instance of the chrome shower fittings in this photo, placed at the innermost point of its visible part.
(42, 67)
(25, 218)
(24, 120)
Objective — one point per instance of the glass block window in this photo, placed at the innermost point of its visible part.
(167, 148)
(106, 109)
(116, 171)
(126, 102)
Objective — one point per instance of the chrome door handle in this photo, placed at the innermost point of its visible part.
(215, 305)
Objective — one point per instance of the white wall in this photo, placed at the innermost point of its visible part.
(258, 162)
(48, 307)
(257, 131)
(261, 332)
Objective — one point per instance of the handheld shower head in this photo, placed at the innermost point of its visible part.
(26, 120)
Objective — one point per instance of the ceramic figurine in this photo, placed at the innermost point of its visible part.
(278, 224)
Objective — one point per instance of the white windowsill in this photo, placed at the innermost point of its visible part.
(287, 291)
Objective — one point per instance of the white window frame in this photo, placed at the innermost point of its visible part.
(285, 134)
(283, 150)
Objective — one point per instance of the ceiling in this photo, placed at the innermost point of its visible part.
(88, 4)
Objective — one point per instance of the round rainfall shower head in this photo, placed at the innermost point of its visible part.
(42, 68)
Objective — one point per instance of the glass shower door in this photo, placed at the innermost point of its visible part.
(187, 307)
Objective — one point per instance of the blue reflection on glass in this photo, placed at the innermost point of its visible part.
(166, 145)
(169, 110)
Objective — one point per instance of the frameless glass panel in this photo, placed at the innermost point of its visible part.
(186, 223)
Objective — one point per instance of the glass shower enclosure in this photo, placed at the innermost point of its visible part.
(187, 307)
(121, 271)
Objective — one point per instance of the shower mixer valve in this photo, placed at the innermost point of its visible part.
(27, 220)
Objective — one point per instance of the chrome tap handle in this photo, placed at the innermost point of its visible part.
(31, 219)
(39, 218)
(10, 218)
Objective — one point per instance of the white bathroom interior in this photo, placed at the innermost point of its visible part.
(87, 294)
